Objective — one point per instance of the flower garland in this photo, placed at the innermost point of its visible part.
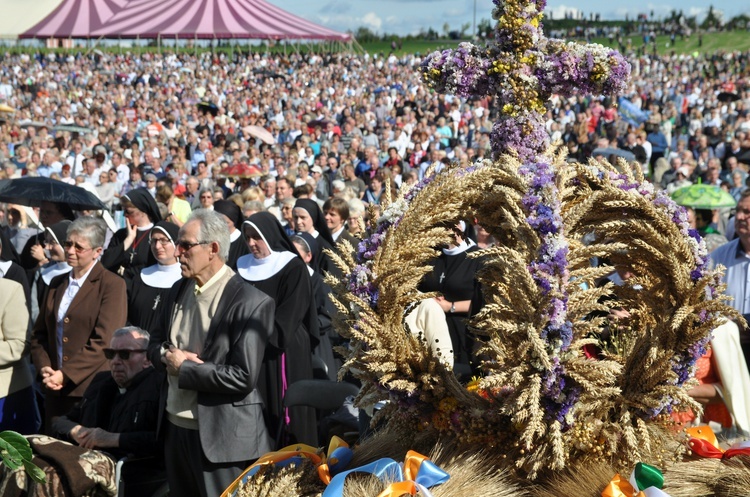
(550, 272)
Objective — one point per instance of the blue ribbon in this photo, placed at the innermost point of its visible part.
(428, 475)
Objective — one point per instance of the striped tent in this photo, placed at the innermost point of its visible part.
(244, 19)
(74, 19)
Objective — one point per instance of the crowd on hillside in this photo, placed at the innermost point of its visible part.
(372, 112)
(287, 152)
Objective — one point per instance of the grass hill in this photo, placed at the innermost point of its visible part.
(711, 42)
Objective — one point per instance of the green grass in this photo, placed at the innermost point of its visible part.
(712, 42)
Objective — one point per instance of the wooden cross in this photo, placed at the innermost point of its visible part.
(521, 69)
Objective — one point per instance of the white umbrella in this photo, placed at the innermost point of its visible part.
(261, 133)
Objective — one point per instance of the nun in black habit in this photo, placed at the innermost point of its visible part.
(149, 287)
(274, 267)
(232, 214)
(306, 245)
(308, 218)
(128, 251)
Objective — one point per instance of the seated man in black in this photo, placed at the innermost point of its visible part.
(119, 410)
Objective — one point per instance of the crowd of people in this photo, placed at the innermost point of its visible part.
(226, 178)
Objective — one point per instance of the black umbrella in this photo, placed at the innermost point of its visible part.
(208, 107)
(609, 151)
(744, 157)
(727, 96)
(269, 74)
(318, 122)
(34, 191)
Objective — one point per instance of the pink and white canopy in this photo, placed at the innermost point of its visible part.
(248, 19)
(74, 19)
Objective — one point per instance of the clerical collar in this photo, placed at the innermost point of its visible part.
(252, 269)
(160, 276)
(234, 235)
(145, 228)
(460, 248)
(51, 270)
(4, 268)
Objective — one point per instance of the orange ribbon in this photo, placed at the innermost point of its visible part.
(619, 487)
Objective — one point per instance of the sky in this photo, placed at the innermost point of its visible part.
(409, 16)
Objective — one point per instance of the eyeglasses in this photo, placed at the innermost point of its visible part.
(51, 243)
(123, 353)
(160, 241)
(79, 249)
(185, 246)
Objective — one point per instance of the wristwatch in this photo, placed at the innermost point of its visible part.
(453, 307)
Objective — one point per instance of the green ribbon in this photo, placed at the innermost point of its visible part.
(648, 476)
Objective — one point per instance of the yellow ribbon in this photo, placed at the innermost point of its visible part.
(324, 470)
(314, 454)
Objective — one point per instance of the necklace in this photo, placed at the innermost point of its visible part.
(135, 246)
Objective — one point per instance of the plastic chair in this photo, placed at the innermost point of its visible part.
(320, 368)
(151, 480)
(326, 396)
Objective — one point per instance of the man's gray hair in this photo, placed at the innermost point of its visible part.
(93, 229)
(212, 228)
(127, 330)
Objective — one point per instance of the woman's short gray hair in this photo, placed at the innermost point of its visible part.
(93, 229)
(213, 228)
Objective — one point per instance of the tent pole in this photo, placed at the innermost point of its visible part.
(158, 42)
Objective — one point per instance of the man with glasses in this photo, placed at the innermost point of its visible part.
(120, 408)
(210, 340)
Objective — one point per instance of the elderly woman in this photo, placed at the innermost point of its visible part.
(76, 320)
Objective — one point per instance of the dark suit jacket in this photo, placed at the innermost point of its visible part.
(345, 235)
(230, 408)
(99, 308)
(132, 414)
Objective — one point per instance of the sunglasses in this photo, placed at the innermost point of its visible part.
(123, 353)
(185, 246)
(79, 249)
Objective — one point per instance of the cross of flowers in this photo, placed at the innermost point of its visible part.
(522, 69)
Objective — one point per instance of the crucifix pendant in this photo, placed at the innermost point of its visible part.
(132, 254)
(442, 277)
(156, 302)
